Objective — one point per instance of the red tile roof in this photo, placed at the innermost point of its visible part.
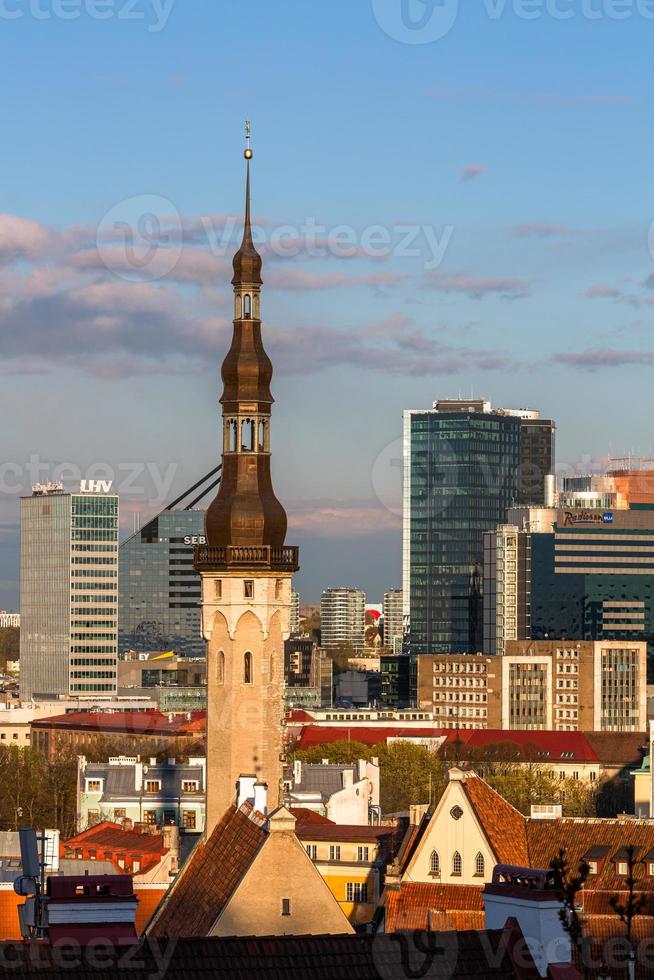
(544, 746)
(466, 956)
(210, 876)
(111, 836)
(417, 905)
(619, 748)
(504, 826)
(125, 722)
(305, 816)
(318, 734)
(576, 835)
(344, 832)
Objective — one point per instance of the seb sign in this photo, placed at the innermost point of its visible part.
(95, 486)
(195, 539)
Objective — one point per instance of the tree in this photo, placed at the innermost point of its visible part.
(632, 906)
(9, 645)
(409, 773)
(570, 884)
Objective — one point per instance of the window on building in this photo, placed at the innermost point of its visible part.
(248, 588)
(356, 891)
(92, 854)
(152, 785)
(334, 852)
(623, 868)
(362, 853)
(286, 906)
(119, 813)
(435, 864)
(247, 668)
(218, 588)
(188, 819)
(457, 863)
(480, 865)
(150, 816)
(189, 786)
(220, 667)
(93, 817)
(312, 851)
(279, 588)
(121, 860)
(592, 867)
(651, 869)
(136, 865)
(93, 785)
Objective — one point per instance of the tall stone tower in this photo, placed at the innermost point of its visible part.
(245, 566)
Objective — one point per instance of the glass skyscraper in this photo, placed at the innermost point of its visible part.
(68, 592)
(462, 471)
(159, 590)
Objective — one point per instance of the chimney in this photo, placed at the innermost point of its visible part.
(171, 843)
(531, 897)
(261, 798)
(281, 820)
(245, 790)
(416, 813)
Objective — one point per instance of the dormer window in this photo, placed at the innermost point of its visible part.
(592, 867)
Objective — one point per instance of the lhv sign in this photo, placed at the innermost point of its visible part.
(95, 486)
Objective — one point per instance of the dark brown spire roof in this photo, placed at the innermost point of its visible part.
(247, 261)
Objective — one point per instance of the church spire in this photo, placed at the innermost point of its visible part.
(246, 512)
(247, 261)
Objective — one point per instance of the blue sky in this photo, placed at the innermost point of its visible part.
(511, 158)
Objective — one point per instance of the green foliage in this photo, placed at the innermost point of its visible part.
(36, 793)
(405, 770)
(9, 645)
(412, 774)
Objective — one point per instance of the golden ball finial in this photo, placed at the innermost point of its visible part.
(248, 154)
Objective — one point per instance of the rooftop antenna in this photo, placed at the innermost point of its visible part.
(31, 884)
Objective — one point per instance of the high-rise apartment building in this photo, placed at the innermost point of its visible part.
(295, 613)
(342, 618)
(463, 469)
(158, 587)
(68, 592)
(557, 685)
(507, 570)
(393, 620)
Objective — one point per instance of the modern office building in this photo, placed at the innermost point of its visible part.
(589, 570)
(537, 454)
(463, 465)
(393, 620)
(158, 588)
(558, 685)
(342, 618)
(68, 592)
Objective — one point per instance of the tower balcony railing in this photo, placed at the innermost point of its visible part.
(284, 559)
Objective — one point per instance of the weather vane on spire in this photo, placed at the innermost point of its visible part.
(248, 151)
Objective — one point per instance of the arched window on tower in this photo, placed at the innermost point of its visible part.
(247, 668)
(220, 667)
(457, 863)
(247, 435)
(435, 864)
(480, 865)
(231, 435)
(261, 439)
(237, 308)
(247, 306)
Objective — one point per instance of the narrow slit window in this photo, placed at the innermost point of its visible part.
(247, 668)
